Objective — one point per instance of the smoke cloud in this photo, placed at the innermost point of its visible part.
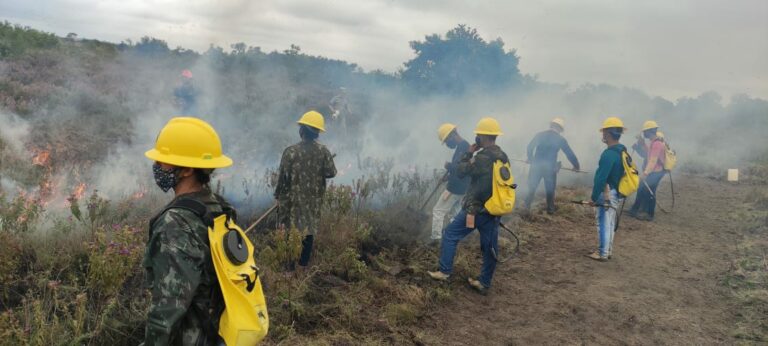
(106, 115)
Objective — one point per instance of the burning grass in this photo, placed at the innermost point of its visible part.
(71, 273)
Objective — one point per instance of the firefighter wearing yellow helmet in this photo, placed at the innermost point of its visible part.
(653, 151)
(477, 164)
(304, 169)
(179, 270)
(456, 187)
(542, 156)
(605, 191)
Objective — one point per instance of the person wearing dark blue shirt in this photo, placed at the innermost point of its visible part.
(542, 155)
(456, 187)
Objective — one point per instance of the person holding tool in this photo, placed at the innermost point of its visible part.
(605, 192)
(478, 165)
(542, 156)
(304, 169)
(653, 171)
(456, 187)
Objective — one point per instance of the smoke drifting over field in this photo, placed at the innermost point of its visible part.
(99, 109)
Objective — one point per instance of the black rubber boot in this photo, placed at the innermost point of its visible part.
(306, 250)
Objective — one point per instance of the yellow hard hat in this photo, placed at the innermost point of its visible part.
(189, 142)
(313, 119)
(559, 121)
(612, 122)
(488, 126)
(650, 124)
(444, 130)
(660, 134)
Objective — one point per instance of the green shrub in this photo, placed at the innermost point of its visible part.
(16, 39)
(113, 257)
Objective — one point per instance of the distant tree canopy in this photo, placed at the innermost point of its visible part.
(16, 39)
(151, 46)
(459, 61)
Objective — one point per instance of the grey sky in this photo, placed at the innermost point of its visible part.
(667, 48)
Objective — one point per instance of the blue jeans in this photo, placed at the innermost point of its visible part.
(606, 222)
(488, 226)
(645, 202)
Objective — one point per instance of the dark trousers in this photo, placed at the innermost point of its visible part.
(645, 201)
(306, 250)
(538, 172)
(306, 253)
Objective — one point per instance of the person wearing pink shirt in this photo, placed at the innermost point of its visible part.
(653, 171)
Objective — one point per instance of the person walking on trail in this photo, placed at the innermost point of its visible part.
(477, 164)
(456, 187)
(605, 195)
(542, 155)
(304, 169)
(186, 94)
(179, 271)
(653, 171)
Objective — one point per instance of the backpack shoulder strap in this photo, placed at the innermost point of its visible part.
(226, 208)
(210, 318)
(197, 207)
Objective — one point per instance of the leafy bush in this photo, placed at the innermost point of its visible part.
(16, 39)
(114, 255)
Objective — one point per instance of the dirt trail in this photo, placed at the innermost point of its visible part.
(662, 287)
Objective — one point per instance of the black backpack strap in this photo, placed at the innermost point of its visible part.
(197, 207)
(210, 318)
(226, 207)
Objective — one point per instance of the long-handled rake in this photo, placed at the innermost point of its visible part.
(619, 211)
(261, 218)
(561, 167)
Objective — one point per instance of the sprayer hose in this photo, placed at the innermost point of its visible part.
(514, 252)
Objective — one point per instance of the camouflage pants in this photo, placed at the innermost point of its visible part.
(305, 218)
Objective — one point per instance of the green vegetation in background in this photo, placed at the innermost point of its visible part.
(17, 39)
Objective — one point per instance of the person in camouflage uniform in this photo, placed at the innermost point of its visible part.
(180, 275)
(177, 260)
(477, 164)
(304, 169)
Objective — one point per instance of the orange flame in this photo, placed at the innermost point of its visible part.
(79, 191)
(138, 195)
(47, 188)
(41, 158)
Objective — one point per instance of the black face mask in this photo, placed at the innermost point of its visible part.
(451, 143)
(165, 179)
(477, 140)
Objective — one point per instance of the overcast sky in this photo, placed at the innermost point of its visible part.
(664, 47)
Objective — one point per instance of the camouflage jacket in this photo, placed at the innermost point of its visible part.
(180, 275)
(479, 167)
(304, 169)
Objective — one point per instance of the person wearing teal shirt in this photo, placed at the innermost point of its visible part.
(605, 193)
